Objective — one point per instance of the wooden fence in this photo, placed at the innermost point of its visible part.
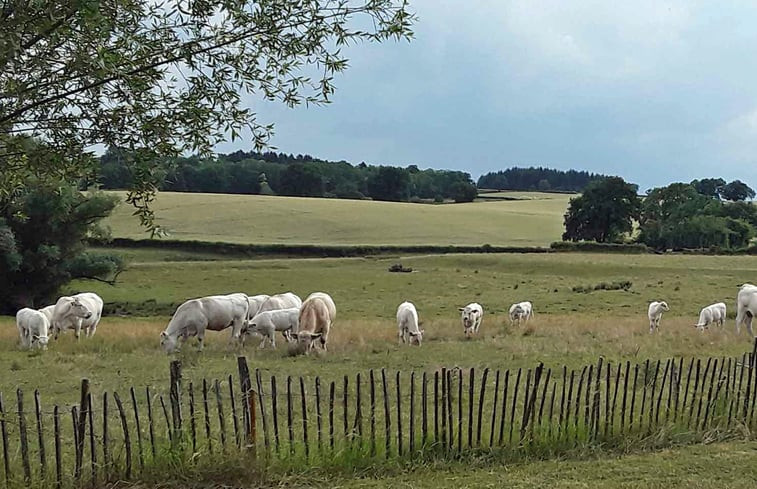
(370, 416)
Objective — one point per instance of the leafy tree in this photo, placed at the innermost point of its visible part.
(711, 187)
(537, 179)
(603, 212)
(737, 190)
(389, 183)
(41, 242)
(164, 78)
(301, 179)
(464, 192)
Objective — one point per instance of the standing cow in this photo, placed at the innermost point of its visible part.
(521, 312)
(76, 312)
(654, 313)
(746, 305)
(33, 328)
(195, 316)
(407, 324)
(471, 316)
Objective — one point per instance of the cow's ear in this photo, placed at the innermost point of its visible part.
(461, 309)
(163, 335)
(293, 335)
(413, 333)
(316, 336)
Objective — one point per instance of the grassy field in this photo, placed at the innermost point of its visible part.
(296, 220)
(569, 328)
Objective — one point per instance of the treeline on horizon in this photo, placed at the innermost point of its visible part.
(538, 179)
(274, 173)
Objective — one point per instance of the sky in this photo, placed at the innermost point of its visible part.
(653, 91)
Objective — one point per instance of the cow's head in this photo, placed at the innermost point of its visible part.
(664, 306)
(416, 338)
(305, 340)
(469, 317)
(167, 342)
(517, 312)
(40, 341)
(79, 310)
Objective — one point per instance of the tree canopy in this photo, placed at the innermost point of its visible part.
(537, 179)
(165, 78)
(603, 213)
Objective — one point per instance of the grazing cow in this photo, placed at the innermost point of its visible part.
(471, 315)
(655, 314)
(33, 327)
(314, 324)
(267, 323)
(746, 304)
(407, 324)
(712, 314)
(287, 300)
(76, 312)
(195, 316)
(328, 301)
(521, 312)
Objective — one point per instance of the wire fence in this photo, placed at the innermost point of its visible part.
(369, 416)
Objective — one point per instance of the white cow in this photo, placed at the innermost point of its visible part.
(267, 323)
(195, 316)
(287, 300)
(328, 301)
(746, 304)
(521, 312)
(654, 313)
(33, 327)
(712, 314)
(314, 324)
(471, 315)
(407, 324)
(76, 312)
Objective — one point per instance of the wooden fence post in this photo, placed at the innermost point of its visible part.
(106, 439)
(290, 428)
(318, 417)
(387, 415)
(81, 427)
(412, 415)
(150, 422)
(4, 430)
(471, 394)
(92, 444)
(245, 385)
(399, 414)
(127, 438)
(424, 410)
(206, 412)
(175, 399)
(22, 436)
(192, 418)
(235, 417)
(40, 436)
(274, 412)
(372, 391)
(515, 401)
(139, 429)
(221, 417)
(303, 404)
(481, 399)
(263, 418)
(56, 437)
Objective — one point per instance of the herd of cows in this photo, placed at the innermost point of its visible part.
(305, 323)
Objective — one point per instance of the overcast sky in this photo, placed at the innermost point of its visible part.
(654, 91)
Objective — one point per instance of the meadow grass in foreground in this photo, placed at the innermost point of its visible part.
(298, 220)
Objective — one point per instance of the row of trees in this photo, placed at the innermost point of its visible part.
(304, 176)
(538, 179)
(680, 215)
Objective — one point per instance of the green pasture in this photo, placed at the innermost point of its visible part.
(571, 328)
(533, 220)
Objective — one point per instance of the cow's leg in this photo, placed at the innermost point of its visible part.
(651, 326)
(748, 322)
(77, 330)
(401, 337)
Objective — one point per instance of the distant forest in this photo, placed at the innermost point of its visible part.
(542, 179)
(274, 173)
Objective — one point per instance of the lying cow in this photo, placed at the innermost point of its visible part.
(712, 314)
(654, 313)
(520, 312)
(407, 324)
(33, 328)
(314, 324)
(267, 323)
(76, 312)
(195, 316)
(471, 316)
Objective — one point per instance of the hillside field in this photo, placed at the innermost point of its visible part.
(533, 220)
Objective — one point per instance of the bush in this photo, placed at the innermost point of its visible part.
(593, 246)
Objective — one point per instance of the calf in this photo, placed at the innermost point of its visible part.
(407, 324)
(712, 314)
(471, 316)
(33, 328)
(267, 323)
(655, 314)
